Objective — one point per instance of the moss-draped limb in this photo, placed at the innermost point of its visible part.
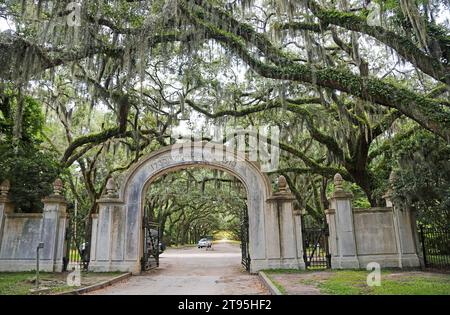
(362, 64)
(79, 153)
(431, 114)
(345, 109)
(438, 90)
(17, 54)
(355, 166)
(360, 144)
(326, 171)
(313, 165)
(299, 26)
(384, 124)
(97, 138)
(388, 144)
(229, 24)
(310, 210)
(292, 105)
(315, 133)
(404, 47)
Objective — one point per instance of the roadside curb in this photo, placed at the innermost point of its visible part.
(268, 283)
(97, 286)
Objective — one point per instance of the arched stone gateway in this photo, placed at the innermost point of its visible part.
(274, 228)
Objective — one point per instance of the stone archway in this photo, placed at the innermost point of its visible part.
(274, 228)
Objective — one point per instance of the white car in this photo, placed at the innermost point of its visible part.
(204, 242)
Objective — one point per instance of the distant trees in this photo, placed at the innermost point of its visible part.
(192, 203)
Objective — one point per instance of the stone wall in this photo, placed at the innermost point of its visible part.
(361, 236)
(20, 233)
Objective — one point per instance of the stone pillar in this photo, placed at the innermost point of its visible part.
(6, 206)
(53, 229)
(406, 234)
(416, 240)
(108, 235)
(93, 245)
(342, 240)
(285, 235)
(299, 237)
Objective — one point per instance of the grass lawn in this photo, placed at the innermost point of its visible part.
(20, 283)
(353, 282)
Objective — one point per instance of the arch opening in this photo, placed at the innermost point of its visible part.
(198, 213)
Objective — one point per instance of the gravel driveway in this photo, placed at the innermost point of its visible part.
(193, 271)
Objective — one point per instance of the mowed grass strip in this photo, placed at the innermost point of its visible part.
(354, 282)
(20, 283)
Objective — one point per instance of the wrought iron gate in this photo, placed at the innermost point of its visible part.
(150, 258)
(435, 246)
(77, 245)
(315, 246)
(245, 240)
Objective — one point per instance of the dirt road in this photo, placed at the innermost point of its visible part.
(193, 271)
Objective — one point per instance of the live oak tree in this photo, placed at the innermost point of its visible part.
(338, 84)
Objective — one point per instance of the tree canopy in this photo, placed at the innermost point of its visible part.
(354, 86)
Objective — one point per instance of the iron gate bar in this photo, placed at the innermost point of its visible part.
(435, 246)
(150, 258)
(245, 240)
(315, 246)
(77, 244)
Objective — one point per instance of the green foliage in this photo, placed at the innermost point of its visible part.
(32, 119)
(359, 198)
(31, 172)
(422, 177)
(30, 169)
